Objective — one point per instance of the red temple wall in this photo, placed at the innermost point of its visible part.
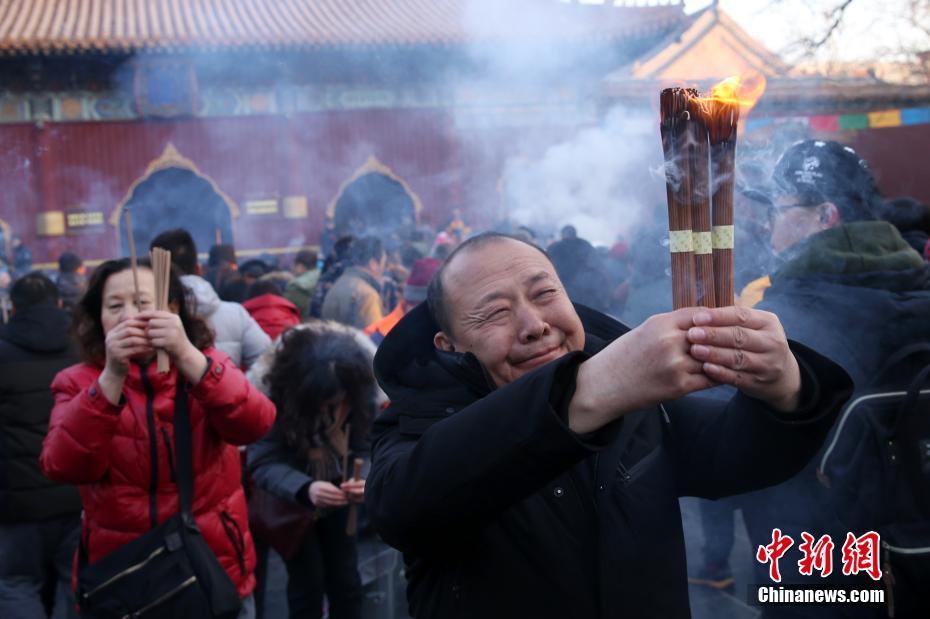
(899, 158)
(93, 165)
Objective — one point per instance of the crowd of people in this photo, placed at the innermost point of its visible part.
(478, 398)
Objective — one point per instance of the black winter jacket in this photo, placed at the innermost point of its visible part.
(502, 511)
(34, 346)
(857, 293)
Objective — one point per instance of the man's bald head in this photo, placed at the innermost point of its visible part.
(435, 295)
(500, 299)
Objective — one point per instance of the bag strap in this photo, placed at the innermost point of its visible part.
(183, 452)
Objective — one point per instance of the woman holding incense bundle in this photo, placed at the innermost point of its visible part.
(112, 430)
(320, 377)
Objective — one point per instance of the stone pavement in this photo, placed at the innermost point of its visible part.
(707, 603)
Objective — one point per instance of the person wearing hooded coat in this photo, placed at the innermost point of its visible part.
(503, 510)
(847, 285)
(39, 519)
(273, 313)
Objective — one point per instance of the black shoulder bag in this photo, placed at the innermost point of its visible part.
(170, 571)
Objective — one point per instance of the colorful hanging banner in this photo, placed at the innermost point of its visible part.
(885, 118)
(833, 123)
(852, 122)
(915, 116)
(825, 124)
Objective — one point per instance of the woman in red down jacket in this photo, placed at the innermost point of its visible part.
(273, 313)
(115, 410)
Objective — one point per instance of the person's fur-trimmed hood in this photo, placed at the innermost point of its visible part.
(322, 328)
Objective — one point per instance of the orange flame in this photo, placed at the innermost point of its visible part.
(743, 91)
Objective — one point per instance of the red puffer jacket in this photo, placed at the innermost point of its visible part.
(273, 313)
(107, 449)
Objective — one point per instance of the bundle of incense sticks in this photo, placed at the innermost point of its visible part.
(675, 120)
(699, 144)
(161, 269)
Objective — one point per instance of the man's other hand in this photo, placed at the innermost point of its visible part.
(748, 349)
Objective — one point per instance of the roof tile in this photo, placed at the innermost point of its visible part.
(51, 26)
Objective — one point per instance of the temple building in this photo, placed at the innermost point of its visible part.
(257, 122)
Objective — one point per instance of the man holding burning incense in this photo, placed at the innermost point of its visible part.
(533, 454)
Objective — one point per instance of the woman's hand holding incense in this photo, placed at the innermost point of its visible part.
(166, 331)
(354, 489)
(124, 342)
(325, 494)
(747, 349)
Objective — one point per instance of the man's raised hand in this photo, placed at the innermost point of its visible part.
(650, 364)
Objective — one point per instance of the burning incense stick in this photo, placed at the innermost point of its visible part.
(723, 129)
(132, 257)
(352, 521)
(673, 104)
(161, 269)
(698, 158)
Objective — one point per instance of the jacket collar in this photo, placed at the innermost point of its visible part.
(149, 370)
(868, 254)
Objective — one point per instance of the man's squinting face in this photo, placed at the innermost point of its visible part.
(507, 306)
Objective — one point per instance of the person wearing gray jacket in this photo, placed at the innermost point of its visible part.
(237, 333)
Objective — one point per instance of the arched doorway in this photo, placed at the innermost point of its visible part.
(173, 193)
(374, 201)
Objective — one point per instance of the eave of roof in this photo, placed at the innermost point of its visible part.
(100, 26)
(709, 40)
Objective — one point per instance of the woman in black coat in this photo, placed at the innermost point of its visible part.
(320, 377)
